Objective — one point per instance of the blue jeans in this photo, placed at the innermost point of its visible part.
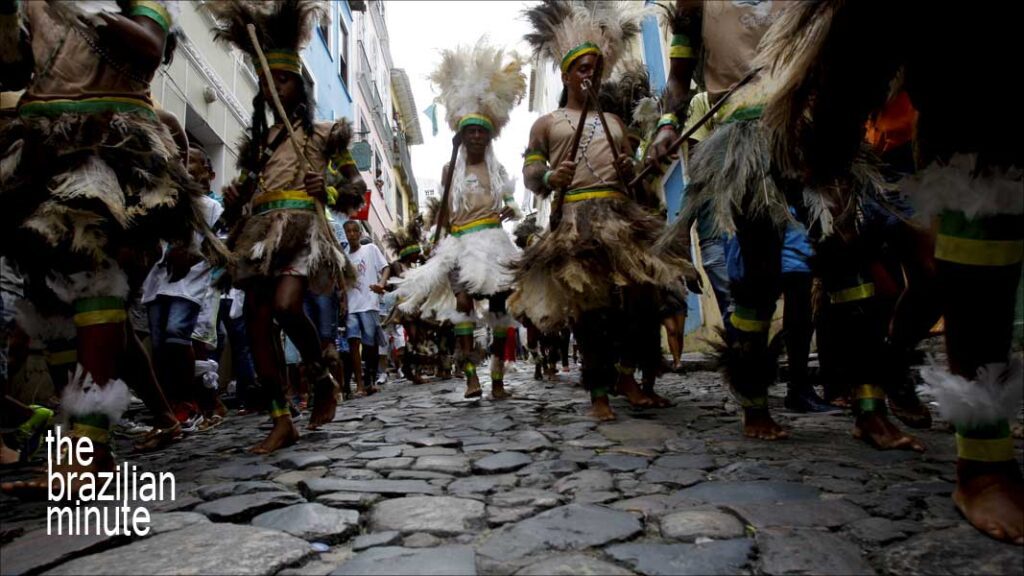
(366, 327)
(172, 320)
(241, 357)
(323, 310)
(712, 253)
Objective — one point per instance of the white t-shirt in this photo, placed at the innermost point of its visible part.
(195, 285)
(369, 262)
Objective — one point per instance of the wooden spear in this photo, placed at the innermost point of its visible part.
(556, 208)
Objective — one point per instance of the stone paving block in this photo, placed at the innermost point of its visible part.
(375, 539)
(317, 486)
(199, 550)
(718, 557)
(958, 550)
(311, 521)
(573, 565)
(808, 551)
(501, 462)
(725, 492)
(808, 513)
(688, 525)
(242, 508)
(454, 465)
(443, 515)
(397, 561)
(571, 527)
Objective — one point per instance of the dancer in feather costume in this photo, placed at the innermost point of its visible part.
(282, 244)
(601, 251)
(89, 180)
(969, 187)
(479, 86)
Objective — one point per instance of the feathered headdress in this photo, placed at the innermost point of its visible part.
(628, 94)
(479, 86)
(565, 30)
(283, 28)
(406, 242)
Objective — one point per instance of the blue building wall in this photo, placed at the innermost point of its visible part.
(333, 96)
(654, 56)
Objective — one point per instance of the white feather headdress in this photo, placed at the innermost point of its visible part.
(479, 85)
(564, 30)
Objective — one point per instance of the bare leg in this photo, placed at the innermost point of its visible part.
(269, 367)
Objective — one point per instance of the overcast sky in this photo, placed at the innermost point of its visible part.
(418, 31)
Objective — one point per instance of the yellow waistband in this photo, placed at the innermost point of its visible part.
(490, 221)
(978, 252)
(592, 195)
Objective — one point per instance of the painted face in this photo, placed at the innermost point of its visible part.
(586, 67)
(476, 138)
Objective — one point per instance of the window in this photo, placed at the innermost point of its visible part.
(325, 33)
(343, 52)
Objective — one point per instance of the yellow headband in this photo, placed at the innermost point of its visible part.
(476, 120)
(577, 52)
(286, 60)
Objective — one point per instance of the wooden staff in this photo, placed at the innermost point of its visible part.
(442, 211)
(556, 207)
(703, 119)
(321, 218)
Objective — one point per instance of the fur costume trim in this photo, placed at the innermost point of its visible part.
(483, 260)
(994, 395)
(119, 185)
(957, 186)
(478, 80)
(83, 396)
(826, 80)
(271, 241)
(280, 26)
(107, 279)
(560, 26)
(599, 245)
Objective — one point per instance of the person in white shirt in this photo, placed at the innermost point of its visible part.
(173, 308)
(362, 326)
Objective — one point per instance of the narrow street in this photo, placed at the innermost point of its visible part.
(417, 480)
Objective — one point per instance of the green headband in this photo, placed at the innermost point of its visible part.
(287, 60)
(581, 50)
(476, 120)
(410, 250)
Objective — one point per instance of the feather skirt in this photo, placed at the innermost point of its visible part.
(599, 245)
(79, 189)
(479, 263)
(266, 244)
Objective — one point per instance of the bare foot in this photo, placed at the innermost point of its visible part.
(659, 401)
(758, 423)
(8, 456)
(628, 387)
(992, 500)
(498, 391)
(159, 438)
(38, 489)
(602, 409)
(283, 434)
(875, 429)
(473, 389)
(325, 404)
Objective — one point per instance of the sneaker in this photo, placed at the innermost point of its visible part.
(192, 423)
(808, 401)
(382, 379)
(130, 428)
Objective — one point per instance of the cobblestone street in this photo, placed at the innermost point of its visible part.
(416, 480)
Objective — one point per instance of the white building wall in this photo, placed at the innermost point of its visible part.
(210, 88)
